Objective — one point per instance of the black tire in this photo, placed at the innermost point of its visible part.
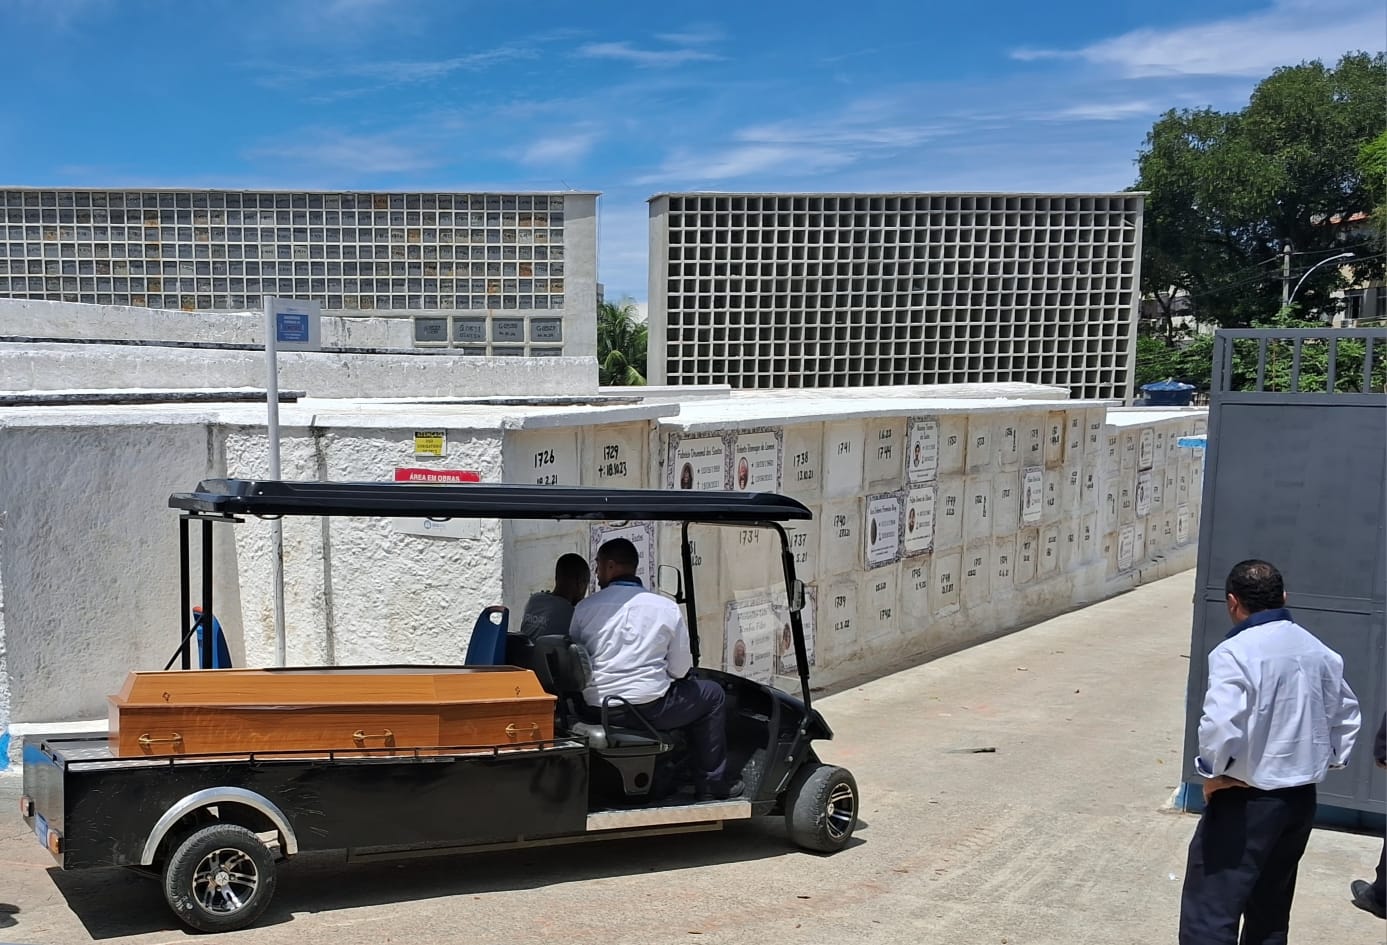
(821, 806)
(219, 879)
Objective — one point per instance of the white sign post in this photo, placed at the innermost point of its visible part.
(291, 325)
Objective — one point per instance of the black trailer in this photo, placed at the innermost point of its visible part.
(212, 827)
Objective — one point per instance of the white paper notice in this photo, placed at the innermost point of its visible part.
(1032, 494)
(786, 664)
(919, 520)
(1126, 547)
(883, 529)
(922, 462)
(752, 632)
(756, 463)
(640, 534)
(1143, 494)
(699, 464)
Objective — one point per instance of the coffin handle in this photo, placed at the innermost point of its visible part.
(146, 740)
(514, 730)
(360, 737)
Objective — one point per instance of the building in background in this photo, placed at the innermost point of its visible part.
(486, 273)
(841, 290)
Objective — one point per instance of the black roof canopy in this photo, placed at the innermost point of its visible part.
(483, 500)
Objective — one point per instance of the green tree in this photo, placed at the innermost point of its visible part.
(1372, 162)
(1228, 189)
(621, 345)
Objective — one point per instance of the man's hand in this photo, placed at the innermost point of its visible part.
(1214, 785)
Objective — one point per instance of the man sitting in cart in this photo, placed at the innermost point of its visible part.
(639, 644)
(551, 612)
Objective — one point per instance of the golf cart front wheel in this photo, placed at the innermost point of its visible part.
(220, 878)
(821, 808)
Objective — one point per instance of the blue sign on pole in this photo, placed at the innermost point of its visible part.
(291, 327)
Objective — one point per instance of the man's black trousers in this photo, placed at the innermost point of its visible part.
(1242, 865)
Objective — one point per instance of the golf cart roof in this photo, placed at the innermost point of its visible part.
(483, 500)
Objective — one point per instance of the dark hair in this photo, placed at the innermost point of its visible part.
(571, 568)
(620, 551)
(1257, 585)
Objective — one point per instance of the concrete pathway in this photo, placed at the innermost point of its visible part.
(1059, 837)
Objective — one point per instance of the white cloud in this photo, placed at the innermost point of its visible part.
(695, 36)
(389, 72)
(559, 149)
(1251, 45)
(646, 58)
(744, 160)
(862, 130)
(1105, 111)
(61, 14)
(335, 150)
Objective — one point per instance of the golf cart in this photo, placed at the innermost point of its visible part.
(211, 825)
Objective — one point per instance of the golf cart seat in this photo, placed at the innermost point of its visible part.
(617, 733)
(487, 647)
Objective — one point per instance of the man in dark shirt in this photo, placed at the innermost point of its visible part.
(1372, 897)
(550, 612)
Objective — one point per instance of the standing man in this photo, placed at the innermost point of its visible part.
(1277, 716)
(1372, 897)
(550, 612)
(639, 646)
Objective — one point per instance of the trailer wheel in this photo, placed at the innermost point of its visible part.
(220, 878)
(821, 808)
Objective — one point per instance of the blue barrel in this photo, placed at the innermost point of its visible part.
(1168, 393)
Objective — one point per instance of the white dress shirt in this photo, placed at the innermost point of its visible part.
(637, 639)
(1277, 712)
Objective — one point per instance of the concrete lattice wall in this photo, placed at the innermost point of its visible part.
(840, 290)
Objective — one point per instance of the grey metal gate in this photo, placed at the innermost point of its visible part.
(1296, 473)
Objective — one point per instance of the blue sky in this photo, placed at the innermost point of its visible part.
(629, 99)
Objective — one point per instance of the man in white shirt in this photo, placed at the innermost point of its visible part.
(551, 612)
(639, 644)
(1277, 716)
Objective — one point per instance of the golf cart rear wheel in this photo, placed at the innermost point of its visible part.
(220, 878)
(821, 808)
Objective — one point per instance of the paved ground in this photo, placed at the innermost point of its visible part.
(1060, 836)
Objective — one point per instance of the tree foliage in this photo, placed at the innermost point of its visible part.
(621, 345)
(1228, 189)
(1192, 361)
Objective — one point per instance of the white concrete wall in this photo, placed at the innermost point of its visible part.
(89, 554)
(50, 366)
(34, 318)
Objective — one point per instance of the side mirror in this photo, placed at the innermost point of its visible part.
(797, 595)
(670, 582)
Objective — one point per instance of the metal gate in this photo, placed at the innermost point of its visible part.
(1296, 474)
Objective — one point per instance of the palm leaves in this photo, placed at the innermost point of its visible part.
(621, 343)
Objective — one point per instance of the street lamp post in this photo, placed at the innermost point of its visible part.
(1322, 262)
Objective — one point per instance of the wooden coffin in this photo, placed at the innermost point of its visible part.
(213, 711)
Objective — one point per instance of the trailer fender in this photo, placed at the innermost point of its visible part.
(211, 797)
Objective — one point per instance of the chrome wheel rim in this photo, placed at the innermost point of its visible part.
(225, 881)
(840, 811)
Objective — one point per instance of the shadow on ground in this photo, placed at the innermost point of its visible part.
(114, 903)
